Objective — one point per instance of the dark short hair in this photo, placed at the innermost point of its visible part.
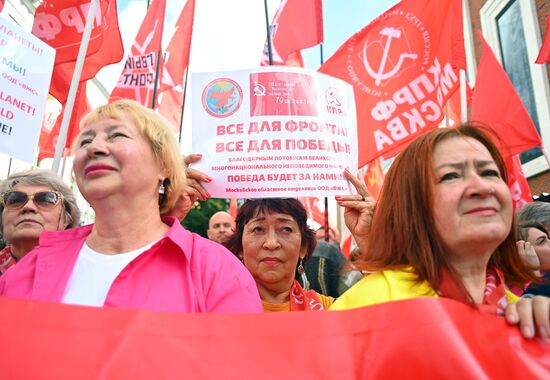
(253, 207)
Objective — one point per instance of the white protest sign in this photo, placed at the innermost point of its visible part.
(274, 132)
(26, 65)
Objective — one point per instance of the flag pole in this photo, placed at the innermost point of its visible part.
(463, 100)
(326, 226)
(69, 105)
(183, 103)
(155, 87)
(268, 27)
(9, 167)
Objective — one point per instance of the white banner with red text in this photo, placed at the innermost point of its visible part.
(274, 132)
(26, 65)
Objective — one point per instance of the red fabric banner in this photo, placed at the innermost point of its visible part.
(49, 136)
(177, 52)
(137, 80)
(61, 25)
(170, 103)
(297, 24)
(2, 5)
(438, 338)
(404, 67)
(501, 110)
(544, 54)
(519, 187)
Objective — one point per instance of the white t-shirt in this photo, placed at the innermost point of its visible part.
(94, 273)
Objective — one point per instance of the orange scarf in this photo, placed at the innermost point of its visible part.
(302, 300)
(494, 299)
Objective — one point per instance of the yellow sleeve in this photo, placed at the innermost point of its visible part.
(380, 287)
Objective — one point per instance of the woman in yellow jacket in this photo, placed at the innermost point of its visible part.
(443, 227)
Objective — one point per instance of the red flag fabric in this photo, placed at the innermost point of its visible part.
(137, 80)
(48, 138)
(501, 110)
(374, 177)
(177, 52)
(403, 66)
(61, 25)
(315, 209)
(439, 338)
(1, 5)
(297, 24)
(233, 208)
(170, 103)
(519, 187)
(544, 54)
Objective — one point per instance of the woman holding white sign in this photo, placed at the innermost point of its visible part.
(127, 166)
(443, 228)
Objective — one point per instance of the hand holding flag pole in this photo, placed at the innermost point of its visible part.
(74, 85)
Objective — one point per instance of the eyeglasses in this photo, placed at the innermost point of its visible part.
(14, 200)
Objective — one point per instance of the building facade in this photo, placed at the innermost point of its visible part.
(515, 30)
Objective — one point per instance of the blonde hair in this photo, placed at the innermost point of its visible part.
(156, 131)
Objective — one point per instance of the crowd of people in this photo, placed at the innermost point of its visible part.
(444, 226)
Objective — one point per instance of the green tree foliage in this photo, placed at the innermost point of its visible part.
(198, 217)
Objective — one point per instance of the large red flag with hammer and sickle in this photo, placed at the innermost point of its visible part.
(404, 67)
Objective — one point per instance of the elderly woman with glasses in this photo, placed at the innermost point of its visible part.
(31, 202)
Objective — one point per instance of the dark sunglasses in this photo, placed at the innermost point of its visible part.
(16, 199)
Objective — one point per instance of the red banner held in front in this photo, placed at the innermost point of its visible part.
(404, 67)
(420, 338)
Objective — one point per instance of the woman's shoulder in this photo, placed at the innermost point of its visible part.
(384, 286)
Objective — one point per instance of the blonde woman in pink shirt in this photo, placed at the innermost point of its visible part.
(127, 166)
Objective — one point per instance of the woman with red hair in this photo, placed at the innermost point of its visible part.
(443, 228)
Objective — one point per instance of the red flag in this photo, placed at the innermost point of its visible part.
(519, 187)
(48, 138)
(138, 77)
(170, 103)
(61, 24)
(177, 53)
(297, 24)
(544, 54)
(501, 109)
(315, 209)
(374, 177)
(403, 67)
(1, 5)
(233, 208)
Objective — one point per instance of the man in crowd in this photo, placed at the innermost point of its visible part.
(220, 226)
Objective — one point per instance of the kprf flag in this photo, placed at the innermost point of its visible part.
(61, 25)
(403, 66)
(544, 54)
(49, 134)
(496, 104)
(297, 24)
(139, 75)
(315, 209)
